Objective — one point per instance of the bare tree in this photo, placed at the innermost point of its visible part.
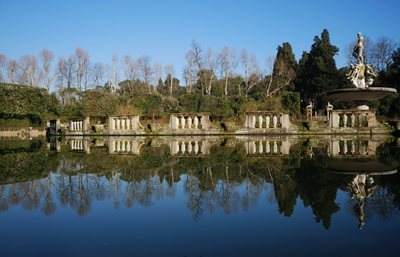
(3, 61)
(227, 62)
(82, 60)
(250, 69)
(29, 70)
(210, 66)
(87, 78)
(12, 70)
(98, 74)
(190, 74)
(382, 53)
(130, 71)
(195, 65)
(169, 70)
(46, 57)
(65, 70)
(144, 66)
(158, 71)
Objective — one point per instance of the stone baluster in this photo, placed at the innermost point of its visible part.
(352, 120)
(267, 121)
(274, 120)
(267, 147)
(196, 147)
(128, 146)
(275, 147)
(345, 120)
(189, 122)
(122, 124)
(260, 147)
(260, 121)
(183, 147)
(196, 122)
(189, 147)
(182, 122)
(128, 124)
(345, 147)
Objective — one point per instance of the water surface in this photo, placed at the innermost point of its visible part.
(200, 196)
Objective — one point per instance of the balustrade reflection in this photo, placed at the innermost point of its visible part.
(267, 147)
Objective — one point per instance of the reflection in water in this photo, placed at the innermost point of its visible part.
(231, 174)
(361, 188)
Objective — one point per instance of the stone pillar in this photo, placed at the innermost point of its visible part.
(335, 148)
(274, 120)
(285, 147)
(309, 113)
(252, 121)
(252, 147)
(335, 120)
(285, 121)
(111, 124)
(174, 122)
(174, 146)
(203, 122)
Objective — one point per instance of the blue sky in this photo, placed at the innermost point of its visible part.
(165, 29)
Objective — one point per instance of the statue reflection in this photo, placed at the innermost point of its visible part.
(361, 187)
(357, 157)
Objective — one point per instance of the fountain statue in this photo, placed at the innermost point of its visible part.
(362, 76)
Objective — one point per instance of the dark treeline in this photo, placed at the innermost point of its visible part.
(223, 82)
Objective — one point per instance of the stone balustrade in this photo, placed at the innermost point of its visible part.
(123, 124)
(350, 147)
(123, 145)
(353, 147)
(353, 119)
(79, 145)
(190, 147)
(189, 121)
(267, 120)
(78, 126)
(267, 147)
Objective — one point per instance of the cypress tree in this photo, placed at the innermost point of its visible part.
(317, 72)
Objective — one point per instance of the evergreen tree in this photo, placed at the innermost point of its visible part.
(284, 71)
(317, 71)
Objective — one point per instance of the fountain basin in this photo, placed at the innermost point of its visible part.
(361, 94)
